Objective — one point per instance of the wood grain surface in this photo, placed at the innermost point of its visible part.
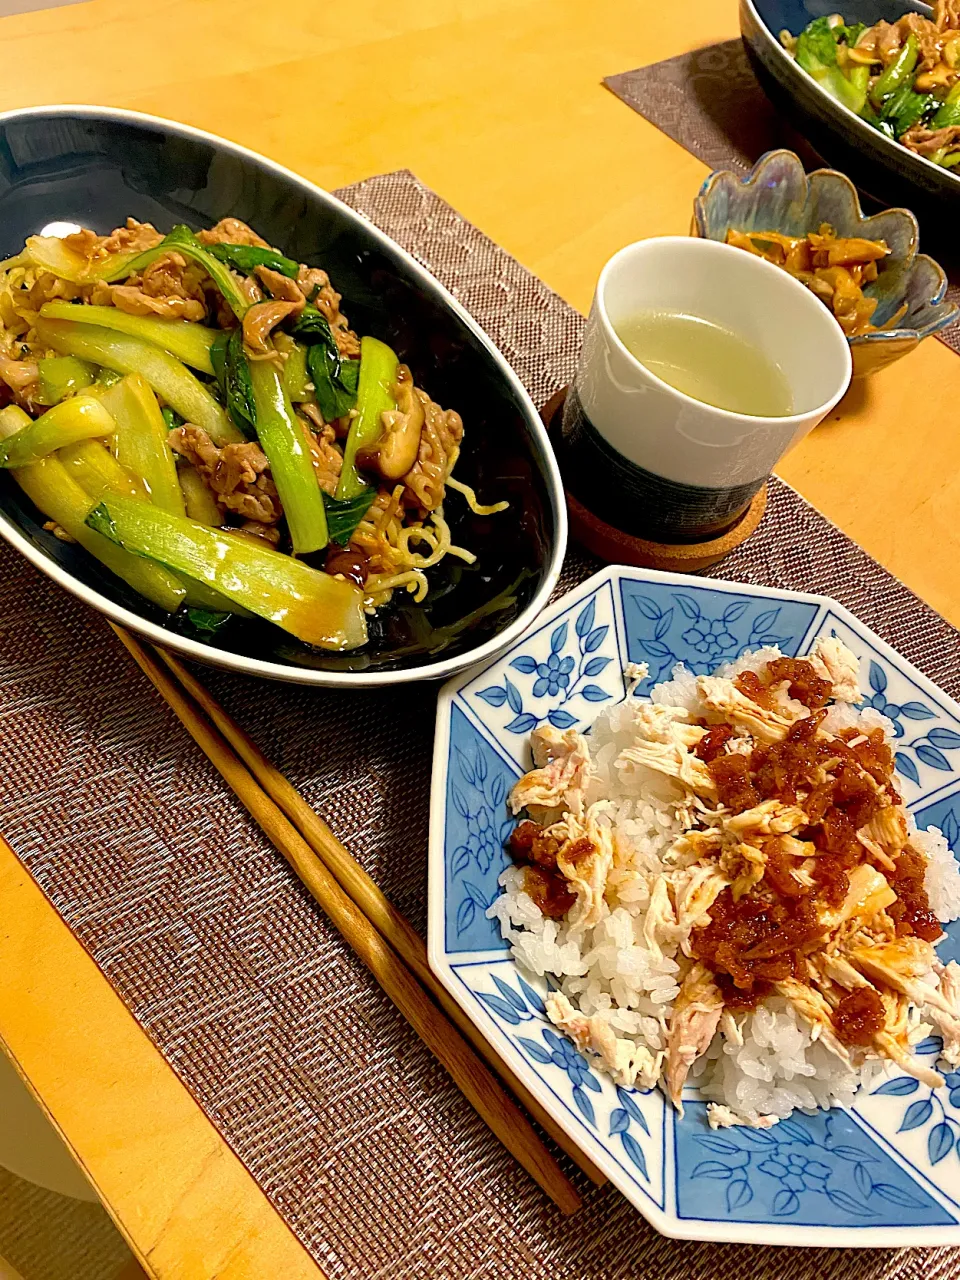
(498, 105)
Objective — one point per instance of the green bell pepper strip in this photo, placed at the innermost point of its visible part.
(140, 441)
(80, 418)
(126, 354)
(378, 372)
(315, 607)
(291, 466)
(62, 376)
(182, 240)
(187, 341)
(899, 72)
(50, 488)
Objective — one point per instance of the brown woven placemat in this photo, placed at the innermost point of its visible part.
(710, 102)
(356, 1135)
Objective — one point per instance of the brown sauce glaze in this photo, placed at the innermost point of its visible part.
(859, 1016)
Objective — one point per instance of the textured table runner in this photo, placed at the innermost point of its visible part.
(354, 1132)
(712, 104)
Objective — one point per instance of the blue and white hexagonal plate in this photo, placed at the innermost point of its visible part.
(886, 1172)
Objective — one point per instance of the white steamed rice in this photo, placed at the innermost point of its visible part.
(611, 971)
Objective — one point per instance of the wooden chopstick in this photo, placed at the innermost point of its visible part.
(471, 1076)
(368, 896)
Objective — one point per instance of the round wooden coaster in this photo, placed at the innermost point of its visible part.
(616, 547)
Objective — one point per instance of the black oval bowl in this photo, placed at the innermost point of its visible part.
(96, 166)
(879, 166)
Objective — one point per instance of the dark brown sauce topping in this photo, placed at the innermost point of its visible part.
(548, 891)
(911, 912)
(765, 936)
(713, 742)
(530, 846)
(859, 1016)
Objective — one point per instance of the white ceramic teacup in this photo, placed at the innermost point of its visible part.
(655, 462)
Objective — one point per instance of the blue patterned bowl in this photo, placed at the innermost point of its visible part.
(778, 196)
(884, 1173)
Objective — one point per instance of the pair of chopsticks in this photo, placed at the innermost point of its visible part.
(380, 935)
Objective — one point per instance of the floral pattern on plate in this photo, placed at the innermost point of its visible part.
(886, 1172)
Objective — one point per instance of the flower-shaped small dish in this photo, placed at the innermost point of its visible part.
(778, 196)
(884, 1173)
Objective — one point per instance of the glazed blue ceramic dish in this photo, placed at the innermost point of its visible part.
(884, 1173)
(95, 167)
(877, 164)
(778, 196)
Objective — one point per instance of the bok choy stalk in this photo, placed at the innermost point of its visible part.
(182, 239)
(50, 253)
(126, 354)
(187, 341)
(62, 376)
(96, 470)
(378, 373)
(199, 502)
(82, 418)
(283, 441)
(51, 489)
(140, 440)
(318, 609)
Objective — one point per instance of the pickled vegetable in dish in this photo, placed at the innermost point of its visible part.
(195, 410)
(902, 77)
(727, 891)
(835, 268)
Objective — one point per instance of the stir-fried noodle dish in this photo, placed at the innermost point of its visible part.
(196, 411)
(727, 891)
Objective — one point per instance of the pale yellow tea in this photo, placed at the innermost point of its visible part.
(708, 362)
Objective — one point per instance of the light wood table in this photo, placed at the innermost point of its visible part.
(498, 105)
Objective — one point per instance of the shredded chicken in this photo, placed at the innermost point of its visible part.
(833, 661)
(562, 762)
(696, 1016)
(629, 1064)
(235, 474)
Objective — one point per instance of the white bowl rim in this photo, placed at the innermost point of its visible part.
(715, 248)
(210, 655)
